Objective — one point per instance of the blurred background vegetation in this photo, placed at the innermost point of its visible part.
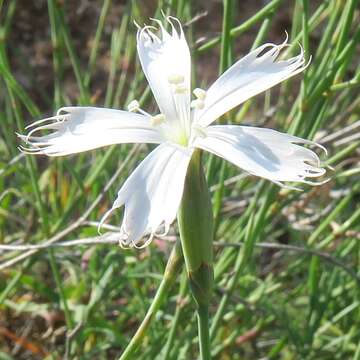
(287, 262)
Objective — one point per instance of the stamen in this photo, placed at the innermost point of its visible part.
(200, 93)
(180, 89)
(197, 104)
(157, 119)
(176, 79)
(133, 106)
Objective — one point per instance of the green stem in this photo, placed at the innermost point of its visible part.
(170, 274)
(96, 42)
(254, 226)
(84, 95)
(169, 346)
(305, 39)
(203, 327)
(225, 62)
(225, 37)
(246, 25)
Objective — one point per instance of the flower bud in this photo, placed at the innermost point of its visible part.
(195, 220)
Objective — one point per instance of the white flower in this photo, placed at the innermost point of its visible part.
(153, 192)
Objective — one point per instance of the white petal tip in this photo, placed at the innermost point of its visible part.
(287, 187)
(104, 218)
(125, 243)
(316, 183)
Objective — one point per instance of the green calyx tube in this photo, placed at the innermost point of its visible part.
(195, 221)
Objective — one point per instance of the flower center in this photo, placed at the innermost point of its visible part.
(179, 130)
(172, 132)
(180, 96)
(199, 131)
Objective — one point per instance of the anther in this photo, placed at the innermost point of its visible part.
(180, 89)
(176, 79)
(200, 93)
(133, 106)
(197, 104)
(157, 119)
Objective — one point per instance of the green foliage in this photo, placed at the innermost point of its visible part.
(286, 262)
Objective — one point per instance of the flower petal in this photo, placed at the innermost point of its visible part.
(253, 74)
(152, 194)
(166, 63)
(263, 152)
(77, 129)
